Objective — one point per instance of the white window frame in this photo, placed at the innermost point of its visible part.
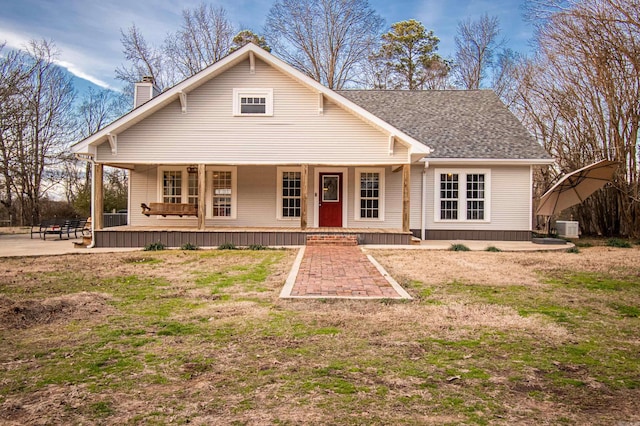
(381, 194)
(234, 191)
(462, 195)
(184, 196)
(253, 93)
(279, 176)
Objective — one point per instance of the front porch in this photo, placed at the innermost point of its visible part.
(140, 236)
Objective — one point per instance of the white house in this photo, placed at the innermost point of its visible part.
(252, 151)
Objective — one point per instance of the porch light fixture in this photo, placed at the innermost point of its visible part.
(192, 170)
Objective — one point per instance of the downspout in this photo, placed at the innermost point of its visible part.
(423, 213)
(93, 192)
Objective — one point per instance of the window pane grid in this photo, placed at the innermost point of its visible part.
(370, 195)
(222, 194)
(193, 188)
(291, 194)
(449, 196)
(172, 186)
(475, 197)
(253, 105)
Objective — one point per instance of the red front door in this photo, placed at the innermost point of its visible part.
(330, 197)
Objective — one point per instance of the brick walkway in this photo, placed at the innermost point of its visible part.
(334, 271)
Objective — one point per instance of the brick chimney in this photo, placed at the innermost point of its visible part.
(144, 91)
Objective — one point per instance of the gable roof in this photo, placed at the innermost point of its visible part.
(456, 124)
(250, 51)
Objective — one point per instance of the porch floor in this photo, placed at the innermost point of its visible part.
(128, 228)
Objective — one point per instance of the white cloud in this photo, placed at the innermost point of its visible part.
(14, 40)
(73, 69)
(68, 57)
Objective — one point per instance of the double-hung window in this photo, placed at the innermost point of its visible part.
(475, 196)
(462, 195)
(223, 188)
(224, 192)
(172, 186)
(289, 193)
(369, 194)
(449, 193)
(176, 185)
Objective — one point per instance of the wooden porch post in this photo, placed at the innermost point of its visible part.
(406, 197)
(304, 189)
(98, 193)
(202, 181)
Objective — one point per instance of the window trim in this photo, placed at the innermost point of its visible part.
(252, 93)
(279, 175)
(234, 191)
(381, 194)
(462, 195)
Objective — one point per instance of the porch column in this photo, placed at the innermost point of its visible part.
(304, 189)
(202, 181)
(98, 194)
(406, 197)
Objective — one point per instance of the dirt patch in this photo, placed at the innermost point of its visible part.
(502, 269)
(78, 306)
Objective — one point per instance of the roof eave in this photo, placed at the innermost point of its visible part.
(491, 161)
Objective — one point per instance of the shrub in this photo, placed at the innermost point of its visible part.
(257, 247)
(227, 246)
(573, 249)
(189, 246)
(459, 247)
(619, 243)
(155, 246)
(493, 249)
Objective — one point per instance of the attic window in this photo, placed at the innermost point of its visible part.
(253, 102)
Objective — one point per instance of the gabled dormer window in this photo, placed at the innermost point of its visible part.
(253, 102)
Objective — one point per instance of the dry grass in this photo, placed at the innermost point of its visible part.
(201, 337)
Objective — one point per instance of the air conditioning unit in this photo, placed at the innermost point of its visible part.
(568, 229)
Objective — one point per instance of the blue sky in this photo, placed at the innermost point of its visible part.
(87, 32)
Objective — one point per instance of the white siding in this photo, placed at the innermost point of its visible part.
(296, 133)
(392, 202)
(510, 201)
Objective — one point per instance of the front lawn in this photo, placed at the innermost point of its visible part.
(201, 337)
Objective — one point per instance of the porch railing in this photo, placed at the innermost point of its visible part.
(114, 219)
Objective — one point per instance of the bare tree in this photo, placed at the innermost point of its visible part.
(580, 97)
(204, 37)
(407, 57)
(476, 42)
(35, 126)
(15, 71)
(328, 40)
(96, 109)
(143, 59)
(505, 75)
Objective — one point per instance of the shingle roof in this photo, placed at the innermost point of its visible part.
(454, 123)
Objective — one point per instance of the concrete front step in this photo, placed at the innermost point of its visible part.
(332, 240)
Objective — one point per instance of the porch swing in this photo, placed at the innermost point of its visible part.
(171, 209)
